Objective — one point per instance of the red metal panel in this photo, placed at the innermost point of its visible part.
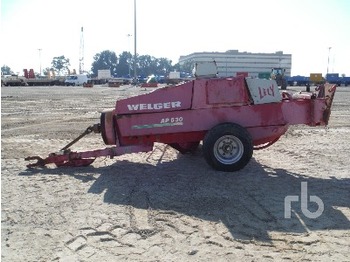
(107, 128)
(31, 73)
(26, 75)
(215, 101)
(164, 99)
(168, 138)
(187, 121)
(304, 111)
(297, 111)
(218, 92)
(229, 90)
(263, 135)
(319, 106)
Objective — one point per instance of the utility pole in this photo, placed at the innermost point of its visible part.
(129, 49)
(81, 52)
(39, 49)
(329, 51)
(135, 73)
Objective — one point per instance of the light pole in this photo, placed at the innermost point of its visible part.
(39, 49)
(129, 64)
(135, 74)
(329, 51)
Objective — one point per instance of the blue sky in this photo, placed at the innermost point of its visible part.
(170, 28)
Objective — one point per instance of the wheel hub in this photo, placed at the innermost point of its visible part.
(228, 149)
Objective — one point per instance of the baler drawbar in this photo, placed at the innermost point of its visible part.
(231, 116)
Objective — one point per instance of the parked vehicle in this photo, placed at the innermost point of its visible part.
(264, 75)
(298, 80)
(334, 78)
(316, 79)
(76, 80)
(278, 74)
(346, 80)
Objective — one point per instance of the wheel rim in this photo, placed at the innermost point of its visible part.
(228, 149)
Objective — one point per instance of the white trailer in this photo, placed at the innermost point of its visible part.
(104, 74)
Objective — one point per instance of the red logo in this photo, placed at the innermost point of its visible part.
(266, 91)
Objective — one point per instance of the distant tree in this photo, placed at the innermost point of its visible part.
(149, 65)
(6, 70)
(105, 60)
(46, 71)
(125, 66)
(187, 67)
(176, 67)
(60, 64)
(146, 65)
(163, 66)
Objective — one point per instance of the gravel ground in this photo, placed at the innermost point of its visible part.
(164, 206)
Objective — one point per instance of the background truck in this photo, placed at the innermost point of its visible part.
(278, 74)
(76, 80)
(298, 80)
(334, 78)
(173, 78)
(316, 79)
(13, 80)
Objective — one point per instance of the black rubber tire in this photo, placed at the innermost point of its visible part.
(227, 147)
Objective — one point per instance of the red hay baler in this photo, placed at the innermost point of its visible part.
(232, 116)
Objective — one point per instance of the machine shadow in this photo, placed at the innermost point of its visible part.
(250, 203)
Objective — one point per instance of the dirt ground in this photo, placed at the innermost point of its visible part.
(163, 206)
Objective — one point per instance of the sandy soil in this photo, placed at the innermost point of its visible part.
(163, 206)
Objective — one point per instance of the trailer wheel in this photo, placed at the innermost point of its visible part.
(228, 147)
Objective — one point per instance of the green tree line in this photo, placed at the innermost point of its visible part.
(121, 65)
